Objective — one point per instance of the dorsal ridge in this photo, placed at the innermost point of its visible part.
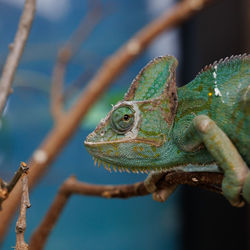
(223, 61)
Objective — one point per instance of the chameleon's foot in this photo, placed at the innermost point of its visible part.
(152, 179)
(246, 189)
(163, 194)
(204, 130)
(160, 195)
(232, 192)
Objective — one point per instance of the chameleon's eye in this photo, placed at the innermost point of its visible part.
(122, 119)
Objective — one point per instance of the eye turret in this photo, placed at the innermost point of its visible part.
(122, 119)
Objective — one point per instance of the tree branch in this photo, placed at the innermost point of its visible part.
(5, 188)
(16, 50)
(210, 181)
(21, 222)
(66, 53)
(108, 72)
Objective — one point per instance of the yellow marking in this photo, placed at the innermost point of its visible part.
(114, 168)
(210, 94)
(153, 148)
(109, 152)
(156, 155)
(119, 169)
(138, 153)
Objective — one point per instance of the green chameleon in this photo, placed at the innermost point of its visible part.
(203, 126)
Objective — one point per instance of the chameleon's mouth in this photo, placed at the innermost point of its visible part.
(100, 159)
(112, 167)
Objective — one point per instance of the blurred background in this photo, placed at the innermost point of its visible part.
(191, 218)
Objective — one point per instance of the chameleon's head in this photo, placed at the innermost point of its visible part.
(131, 135)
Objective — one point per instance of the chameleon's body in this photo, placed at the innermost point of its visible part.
(210, 123)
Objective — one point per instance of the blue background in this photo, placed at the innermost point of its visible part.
(86, 222)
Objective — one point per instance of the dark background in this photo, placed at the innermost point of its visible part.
(219, 31)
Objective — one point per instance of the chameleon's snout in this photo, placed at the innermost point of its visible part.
(92, 146)
(91, 141)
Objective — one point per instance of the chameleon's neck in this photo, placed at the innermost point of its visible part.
(171, 153)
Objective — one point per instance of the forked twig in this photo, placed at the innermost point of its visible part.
(5, 188)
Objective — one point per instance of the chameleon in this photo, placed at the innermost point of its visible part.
(201, 126)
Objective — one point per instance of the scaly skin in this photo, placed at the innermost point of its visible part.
(208, 125)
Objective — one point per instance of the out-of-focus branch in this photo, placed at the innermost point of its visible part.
(16, 50)
(66, 53)
(108, 72)
(78, 83)
(5, 188)
(21, 221)
(210, 181)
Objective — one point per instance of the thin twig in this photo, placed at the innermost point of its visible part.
(210, 181)
(21, 222)
(16, 50)
(109, 71)
(66, 53)
(3, 192)
(5, 188)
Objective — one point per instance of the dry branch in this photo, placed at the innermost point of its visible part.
(108, 72)
(16, 50)
(5, 188)
(66, 53)
(210, 181)
(21, 221)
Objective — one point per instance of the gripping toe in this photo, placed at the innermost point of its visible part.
(246, 189)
